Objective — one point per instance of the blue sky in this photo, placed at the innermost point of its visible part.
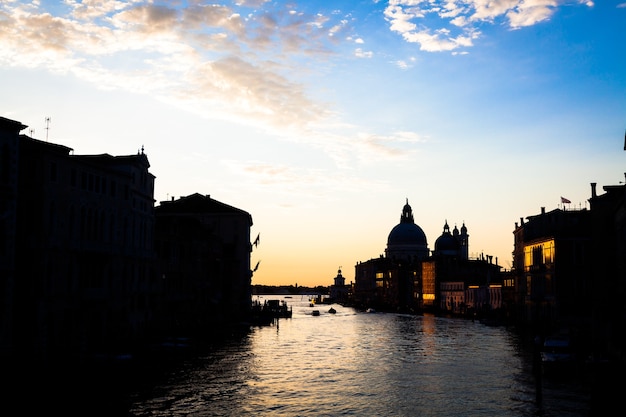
(321, 118)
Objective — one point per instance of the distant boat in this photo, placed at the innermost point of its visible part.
(315, 313)
(267, 312)
(557, 349)
(557, 354)
(332, 310)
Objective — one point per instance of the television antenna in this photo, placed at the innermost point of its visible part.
(48, 120)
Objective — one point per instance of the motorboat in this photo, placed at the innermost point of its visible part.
(557, 349)
(557, 354)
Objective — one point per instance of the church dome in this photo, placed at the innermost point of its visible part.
(406, 233)
(407, 239)
(447, 243)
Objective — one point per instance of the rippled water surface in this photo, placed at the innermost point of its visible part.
(362, 364)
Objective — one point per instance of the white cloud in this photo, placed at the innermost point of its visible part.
(206, 54)
(452, 24)
(359, 53)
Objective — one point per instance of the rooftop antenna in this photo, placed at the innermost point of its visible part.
(48, 120)
(31, 131)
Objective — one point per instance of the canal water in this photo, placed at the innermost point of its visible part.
(353, 363)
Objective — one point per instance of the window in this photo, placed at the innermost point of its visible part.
(539, 254)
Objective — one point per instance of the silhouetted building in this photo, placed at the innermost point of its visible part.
(608, 282)
(392, 282)
(569, 268)
(9, 151)
(454, 283)
(339, 291)
(80, 277)
(552, 256)
(204, 249)
(82, 249)
(409, 278)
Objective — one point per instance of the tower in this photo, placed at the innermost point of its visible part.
(464, 241)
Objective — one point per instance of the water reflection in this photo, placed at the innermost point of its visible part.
(361, 364)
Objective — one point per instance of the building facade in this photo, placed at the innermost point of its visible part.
(552, 255)
(203, 247)
(339, 291)
(81, 251)
(608, 286)
(90, 269)
(409, 278)
(569, 272)
(9, 151)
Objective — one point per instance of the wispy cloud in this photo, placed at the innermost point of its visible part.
(246, 61)
(207, 54)
(449, 25)
(360, 53)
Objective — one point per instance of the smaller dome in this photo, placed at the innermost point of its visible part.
(446, 243)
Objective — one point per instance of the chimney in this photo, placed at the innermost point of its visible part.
(593, 190)
(543, 210)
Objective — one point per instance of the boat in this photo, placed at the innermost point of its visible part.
(557, 354)
(315, 313)
(278, 308)
(270, 310)
(332, 310)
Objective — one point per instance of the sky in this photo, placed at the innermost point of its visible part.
(322, 119)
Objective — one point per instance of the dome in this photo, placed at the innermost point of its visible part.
(406, 234)
(406, 239)
(447, 243)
